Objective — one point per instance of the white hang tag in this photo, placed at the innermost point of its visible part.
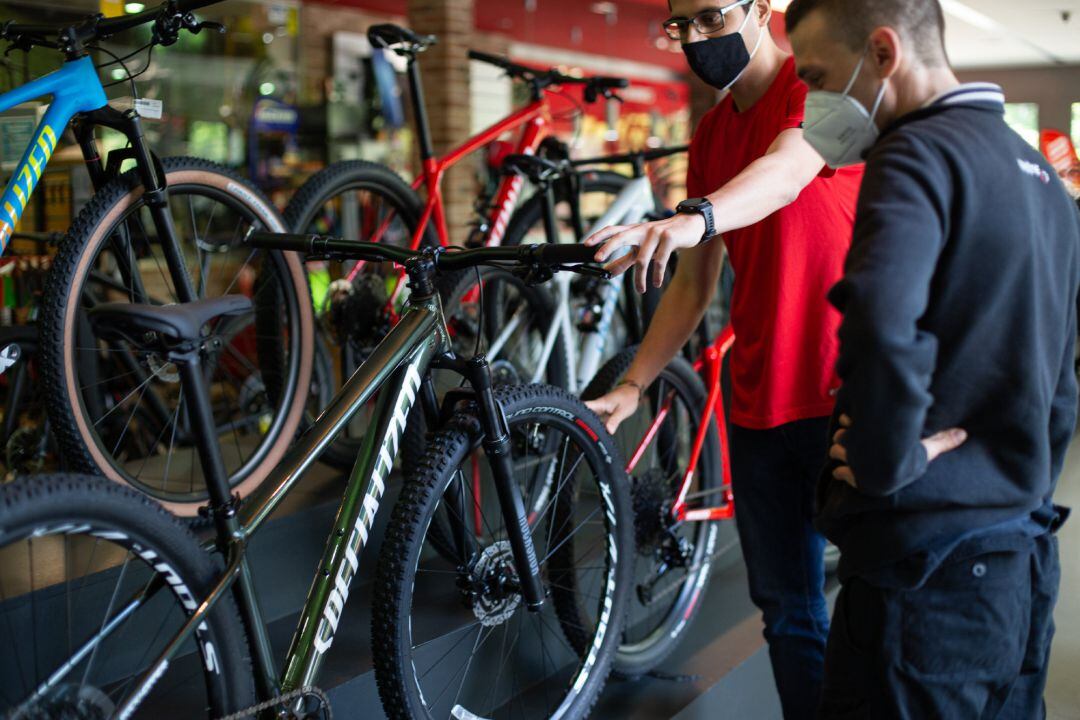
(147, 108)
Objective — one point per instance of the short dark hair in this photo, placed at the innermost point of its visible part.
(921, 22)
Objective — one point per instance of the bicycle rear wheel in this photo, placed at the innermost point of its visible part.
(356, 200)
(116, 409)
(673, 559)
(77, 554)
(451, 635)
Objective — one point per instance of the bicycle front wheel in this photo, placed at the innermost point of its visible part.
(116, 409)
(451, 634)
(95, 581)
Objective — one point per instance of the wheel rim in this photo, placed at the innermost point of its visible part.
(130, 400)
(662, 601)
(62, 585)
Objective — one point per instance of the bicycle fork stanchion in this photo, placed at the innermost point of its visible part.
(497, 447)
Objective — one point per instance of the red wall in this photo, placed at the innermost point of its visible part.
(571, 25)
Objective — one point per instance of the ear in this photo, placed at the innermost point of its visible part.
(763, 9)
(886, 51)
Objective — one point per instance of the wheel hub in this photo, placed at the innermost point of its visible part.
(163, 370)
(495, 594)
(356, 312)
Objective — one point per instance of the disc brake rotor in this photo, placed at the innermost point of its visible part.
(494, 603)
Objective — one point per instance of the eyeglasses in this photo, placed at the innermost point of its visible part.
(705, 22)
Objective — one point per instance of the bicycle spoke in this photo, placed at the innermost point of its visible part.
(172, 443)
(106, 616)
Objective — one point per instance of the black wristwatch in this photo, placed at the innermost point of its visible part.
(702, 207)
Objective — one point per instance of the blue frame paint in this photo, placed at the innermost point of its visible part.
(74, 88)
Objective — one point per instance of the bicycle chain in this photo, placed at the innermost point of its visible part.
(283, 699)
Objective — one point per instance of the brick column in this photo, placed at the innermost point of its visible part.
(445, 70)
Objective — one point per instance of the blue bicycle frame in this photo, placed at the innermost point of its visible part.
(75, 88)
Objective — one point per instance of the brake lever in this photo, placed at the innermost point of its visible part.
(596, 271)
(208, 25)
(534, 274)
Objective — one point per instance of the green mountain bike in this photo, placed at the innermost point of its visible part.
(108, 606)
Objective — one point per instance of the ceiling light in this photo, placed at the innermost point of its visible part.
(134, 7)
(971, 16)
(604, 8)
(961, 11)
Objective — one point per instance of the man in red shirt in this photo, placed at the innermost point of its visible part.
(786, 221)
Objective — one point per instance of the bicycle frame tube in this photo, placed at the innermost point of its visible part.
(535, 119)
(630, 206)
(74, 88)
(711, 361)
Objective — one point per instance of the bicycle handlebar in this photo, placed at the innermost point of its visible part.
(632, 157)
(169, 18)
(553, 256)
(595, 84)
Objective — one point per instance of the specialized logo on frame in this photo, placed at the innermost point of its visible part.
(335, 603)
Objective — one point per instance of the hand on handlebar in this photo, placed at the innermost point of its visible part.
(650, 243)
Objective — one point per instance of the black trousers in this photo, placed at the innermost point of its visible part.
(972, 642)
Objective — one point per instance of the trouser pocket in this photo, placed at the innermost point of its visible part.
(970, 621)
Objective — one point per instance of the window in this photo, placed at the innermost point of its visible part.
(1024, 119)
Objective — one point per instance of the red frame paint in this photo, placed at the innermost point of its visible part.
(708, 365)
(534, 120)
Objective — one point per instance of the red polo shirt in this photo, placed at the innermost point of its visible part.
(784, 358)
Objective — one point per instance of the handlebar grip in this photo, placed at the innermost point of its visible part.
(495, 60)
(602, 81)
(566, 254)
(287, 242)
(111, 26)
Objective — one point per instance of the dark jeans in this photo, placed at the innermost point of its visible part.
(774, 474)
(973, 642)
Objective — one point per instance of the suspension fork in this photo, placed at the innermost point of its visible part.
(155, 190)
(497, 448)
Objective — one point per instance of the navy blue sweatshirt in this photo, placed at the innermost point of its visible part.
(960, 310)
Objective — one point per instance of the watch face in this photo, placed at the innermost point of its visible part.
(693, 204)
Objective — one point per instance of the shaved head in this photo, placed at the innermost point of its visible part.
(921, 23)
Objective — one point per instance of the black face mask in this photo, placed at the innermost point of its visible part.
(718, 61)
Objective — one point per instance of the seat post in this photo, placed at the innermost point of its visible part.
(423, 128)
(201, 418)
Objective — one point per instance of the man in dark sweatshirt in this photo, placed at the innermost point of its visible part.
(960, 311)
